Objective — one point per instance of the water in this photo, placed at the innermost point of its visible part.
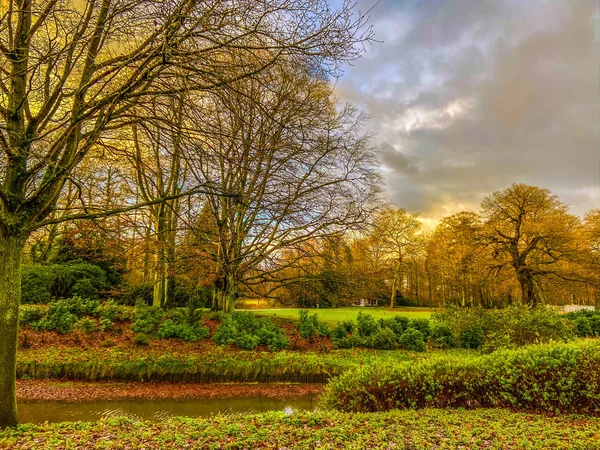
(154, 410)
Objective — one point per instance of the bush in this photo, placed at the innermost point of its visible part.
(339, 332)
(146, 318)
(42, 283)
(310, 327)
(547, 378)
(412, 339)
(142, 293)
(348, 325)
(227, 332)
(393, 325)
(512, 327)
(36, 284)
(141, 339)
(86, 325)
(471, 338)
(366, 324)
(246, 341)
(31, 314)
(110, 310)
(247, 331)
(584, 327)
(171, 330)
(385, 339)
(60, 317)
(106, 324)
(422, 325)
(273, 337)
(441, 336)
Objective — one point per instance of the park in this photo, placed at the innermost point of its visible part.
(299, 224)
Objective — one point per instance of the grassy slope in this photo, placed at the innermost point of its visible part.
(335, 315)
(440, 429)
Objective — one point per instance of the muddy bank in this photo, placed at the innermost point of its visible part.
(79, 391)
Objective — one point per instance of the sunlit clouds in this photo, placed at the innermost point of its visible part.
(467, 97)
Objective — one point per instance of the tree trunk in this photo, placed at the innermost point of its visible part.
(230, 293)
(528, 294)
(11, 252)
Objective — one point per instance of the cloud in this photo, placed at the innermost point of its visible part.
(469, 96)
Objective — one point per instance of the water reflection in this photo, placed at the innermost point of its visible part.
(154, 410)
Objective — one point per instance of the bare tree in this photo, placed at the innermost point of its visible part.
(295, 165)
(530, 232)
(395, 235)
(71, 72)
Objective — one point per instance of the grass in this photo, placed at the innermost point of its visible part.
(335, 315)
(430, 428)
(140, 364)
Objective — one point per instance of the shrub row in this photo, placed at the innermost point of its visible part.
(587, 322)
(43, 283)
(385, 334)
(551, 377)
(511, 327)
(87, 315)
(247, 331)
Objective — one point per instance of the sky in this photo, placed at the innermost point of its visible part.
(469, 96)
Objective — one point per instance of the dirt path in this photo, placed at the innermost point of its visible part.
(79, 391)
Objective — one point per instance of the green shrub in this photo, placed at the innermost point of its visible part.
(412, 339)
(42, 283)
(441, 336)
(236, 327)
(385, 339)
(31, 314)
(171, 330)
(366, 324)
(339, 332)
(146, 318)
(141, 339)
(471, 338)
(348, 325)
(60, 317)
(273, 337)
(402, 321)
(595, 324)
(422, 325)
(106, 324)
(584, 327)
(310, 327)
(110, 310)
(246, 341)
(36, 284)
(510, 327)
(393, 325)
(548, 378)
(86, 325)
(227, 332)
(142, 293)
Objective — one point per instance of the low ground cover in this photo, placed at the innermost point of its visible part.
(423, 429)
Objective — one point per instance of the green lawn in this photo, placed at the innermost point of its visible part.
(335, 315)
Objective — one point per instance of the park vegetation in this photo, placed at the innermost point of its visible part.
(164, 163)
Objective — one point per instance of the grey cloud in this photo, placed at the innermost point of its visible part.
(396, 160)
(530, 74)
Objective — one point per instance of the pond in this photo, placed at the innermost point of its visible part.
(154, 410)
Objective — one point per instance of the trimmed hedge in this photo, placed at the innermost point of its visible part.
(552, 377)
